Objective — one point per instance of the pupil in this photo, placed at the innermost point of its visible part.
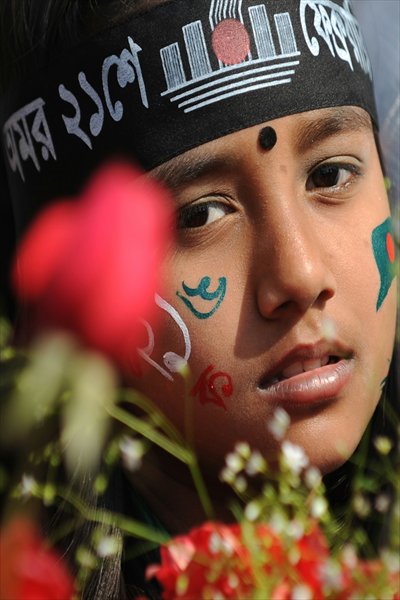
(326, 176)
(195, 216)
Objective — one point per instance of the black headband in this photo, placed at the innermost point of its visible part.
(182, 74)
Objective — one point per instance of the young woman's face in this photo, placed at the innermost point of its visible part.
(277, 288)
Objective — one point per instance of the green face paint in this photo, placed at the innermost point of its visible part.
(202, 292)
(384, 252)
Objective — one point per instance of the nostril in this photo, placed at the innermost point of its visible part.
(326, 295)
(286, 305)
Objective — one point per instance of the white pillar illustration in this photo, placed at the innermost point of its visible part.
(172, 65)
(196, 49)
(262, 31)
(285, 31)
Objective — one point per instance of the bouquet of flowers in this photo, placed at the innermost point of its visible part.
(81, 265)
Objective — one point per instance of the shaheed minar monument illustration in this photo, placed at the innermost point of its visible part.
(238, 71)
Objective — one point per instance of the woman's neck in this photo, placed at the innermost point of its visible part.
(168, 489)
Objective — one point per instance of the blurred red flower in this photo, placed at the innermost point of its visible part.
(229, 561)
(92, 266)
(369, 576)
(187, 561)
(216, 559)
(29, 570)
(313, 553)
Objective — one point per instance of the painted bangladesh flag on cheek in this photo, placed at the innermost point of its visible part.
(384, 252)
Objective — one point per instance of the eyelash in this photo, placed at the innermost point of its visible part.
(351, 169)
(201, 210)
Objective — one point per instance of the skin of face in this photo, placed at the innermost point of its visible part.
(290, 230)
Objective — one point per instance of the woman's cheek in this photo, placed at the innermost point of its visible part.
(190, 331)
(383, 247)
(380, 314)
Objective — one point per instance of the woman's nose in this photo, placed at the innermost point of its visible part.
(293, 270)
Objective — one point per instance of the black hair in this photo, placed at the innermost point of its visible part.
(31, 34)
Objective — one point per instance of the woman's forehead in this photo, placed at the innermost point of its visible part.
(302, 130)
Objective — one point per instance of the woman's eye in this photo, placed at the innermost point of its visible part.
(330, 175)
(201, 214)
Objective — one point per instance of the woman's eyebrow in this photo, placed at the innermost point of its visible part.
(334, 121)
(183, 170)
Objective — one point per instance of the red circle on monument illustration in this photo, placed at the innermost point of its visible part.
(230, 41)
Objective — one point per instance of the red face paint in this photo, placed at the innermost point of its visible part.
(211, 387)
(390, 247)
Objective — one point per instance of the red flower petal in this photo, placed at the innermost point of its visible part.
(93, 266)
(41, 249)
(29, 570)
(314, 552)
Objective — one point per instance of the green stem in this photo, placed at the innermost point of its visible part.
(201, 488)
(103, 517)
(195, 472)
(135, 398)
(185, 454)
(144, 429)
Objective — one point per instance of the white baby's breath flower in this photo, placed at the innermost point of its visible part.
(279, 423)
(382, 503)
(240, 484)
(227, 475)
(349, 556)
(318, 507)
(361, 505)
(252, 510)
(332, 575)
(383, 444)
(108, 546)
(233, 580)
(234, 462)
(302, 592)
(256, 463)
(295, 529)
(214, 544)
(226, 547)
(391, 560)
(131, 452)
(28, 486)
(294, 457)
(278, 522)
(243, 449)
(176, 364)
(182, 367)
(312, 477)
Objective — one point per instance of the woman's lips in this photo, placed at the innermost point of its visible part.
(314, 386)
